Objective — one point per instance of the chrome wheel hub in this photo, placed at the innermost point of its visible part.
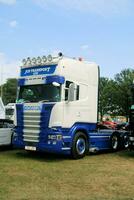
(114, 142)
(80, 146)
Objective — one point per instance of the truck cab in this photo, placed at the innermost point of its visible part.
(57, 107)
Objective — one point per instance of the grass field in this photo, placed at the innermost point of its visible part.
(25, 176)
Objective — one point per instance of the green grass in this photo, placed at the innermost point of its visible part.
(25, 176)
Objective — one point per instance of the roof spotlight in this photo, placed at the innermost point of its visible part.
(33, 61)
(44, 59)
(39, 60)
(28, 61)
(24, 61)
(49, 58)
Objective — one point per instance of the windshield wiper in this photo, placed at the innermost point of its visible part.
(45, 100)
(23, 101)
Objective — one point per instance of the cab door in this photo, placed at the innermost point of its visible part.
(5, 133)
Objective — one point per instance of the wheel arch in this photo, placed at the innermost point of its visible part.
(80, 130)
(85, 128)
(83, 131)
(116, 133)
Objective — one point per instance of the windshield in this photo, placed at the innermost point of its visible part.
(9, 111)
(36, 93)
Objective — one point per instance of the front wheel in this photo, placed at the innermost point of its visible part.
(79, 146)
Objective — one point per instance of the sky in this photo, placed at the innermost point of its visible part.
(101, 31)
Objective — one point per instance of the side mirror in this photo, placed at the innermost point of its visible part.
(72, 92)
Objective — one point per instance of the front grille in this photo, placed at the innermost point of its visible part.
(31, 128)
(32, 125)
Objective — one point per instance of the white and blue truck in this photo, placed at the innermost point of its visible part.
(57, 108)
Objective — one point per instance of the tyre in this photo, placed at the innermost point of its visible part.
(125, 141)
(115, 142)
(79, 146)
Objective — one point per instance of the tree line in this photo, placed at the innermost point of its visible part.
(114, 94)
(8, 91)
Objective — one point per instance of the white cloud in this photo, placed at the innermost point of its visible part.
(8, 2)
(94, 6)
(8, 68)
(13, 23)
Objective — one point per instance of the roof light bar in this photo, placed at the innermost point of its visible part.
(41, 60)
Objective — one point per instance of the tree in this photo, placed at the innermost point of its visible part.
(124, 81)
(115, 94)
(107, 97)
(9, 91)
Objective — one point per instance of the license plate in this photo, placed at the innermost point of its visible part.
(30, 148)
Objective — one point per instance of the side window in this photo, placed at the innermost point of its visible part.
(66, 89)
(76, 92)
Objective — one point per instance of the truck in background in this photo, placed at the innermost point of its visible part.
(6, 132)
(6, 127)
(2, 109)
(57, 108)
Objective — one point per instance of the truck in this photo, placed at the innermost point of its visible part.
(57, 108)
(6, 132)
(6, 127)
(2, 109)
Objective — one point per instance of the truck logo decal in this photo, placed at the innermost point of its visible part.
(32, 108)
(31, 71)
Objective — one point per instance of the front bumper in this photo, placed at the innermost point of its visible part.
(54, 143)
